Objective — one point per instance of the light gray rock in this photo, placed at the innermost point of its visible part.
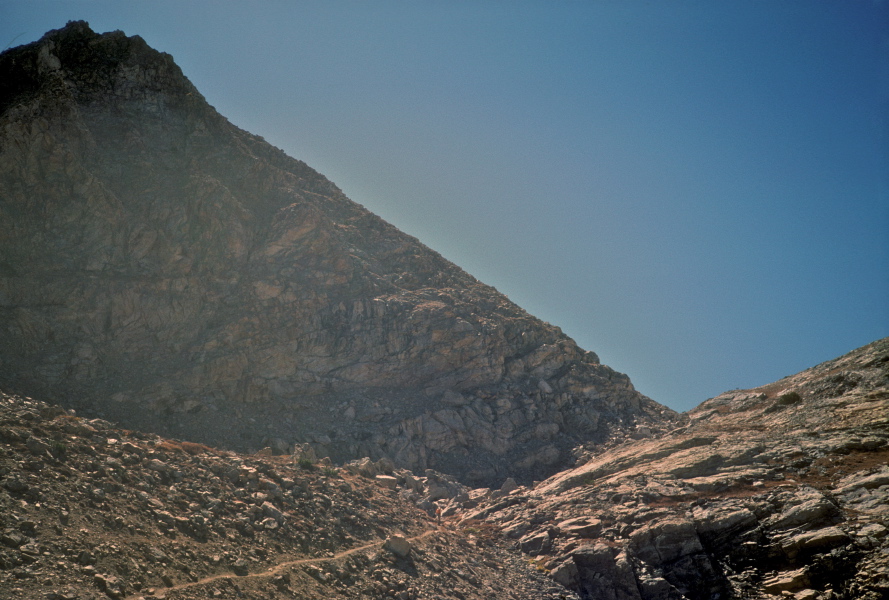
(666, 541)
(158, 465)
(653, 587)
(452, 398)
(865, 481)
(508, 486)
(721, 525)
(411, 482)
(387, 481)
(271, 511)
(364, 467)
(874, 530)
(581, 527)
(787, 581)
(385, 466)
(565, 574)
(304, 452)
(398, 545)
(813, 510)
(536, 543)
(820, 539)
(36, 446)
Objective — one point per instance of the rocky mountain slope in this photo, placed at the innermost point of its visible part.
(88, 511)
(779, 491)
(776, 492)
(164, 269)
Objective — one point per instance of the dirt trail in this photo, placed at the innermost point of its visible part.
(277, 569)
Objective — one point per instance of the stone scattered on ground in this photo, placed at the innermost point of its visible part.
(90, 511)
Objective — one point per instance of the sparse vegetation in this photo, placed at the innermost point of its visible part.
(789, 398)
(59, 449)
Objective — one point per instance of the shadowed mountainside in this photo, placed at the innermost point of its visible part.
(164, 269)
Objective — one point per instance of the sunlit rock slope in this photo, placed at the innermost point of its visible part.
(776, 492)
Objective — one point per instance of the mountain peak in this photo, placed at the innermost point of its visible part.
(170, 271)
(110, 67)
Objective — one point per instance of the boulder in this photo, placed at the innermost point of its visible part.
(536, 543)
(787, 581)
(580, 527)
(665, 541)
(821, 540)
(271, 511)
(508, 486)
(398, 545)
(813, 509)
(721, 525)
(565, 573)
(387, 481)
(604, 574)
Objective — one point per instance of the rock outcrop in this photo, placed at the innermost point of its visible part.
(779, 491)
(164, 269)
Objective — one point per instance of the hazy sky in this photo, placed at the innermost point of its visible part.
(695, 190)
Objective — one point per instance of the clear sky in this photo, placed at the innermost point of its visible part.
(695, 190)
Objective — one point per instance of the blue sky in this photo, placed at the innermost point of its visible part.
(697, 191)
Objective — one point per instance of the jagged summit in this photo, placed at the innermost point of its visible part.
(92, 65)
(167, 270)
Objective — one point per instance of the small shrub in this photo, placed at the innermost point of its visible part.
(59, 449)
(170, 446)
(195, 449)
(783, 401)
(789, 398)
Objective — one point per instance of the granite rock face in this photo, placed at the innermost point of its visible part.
(776, 492)
(164, 269)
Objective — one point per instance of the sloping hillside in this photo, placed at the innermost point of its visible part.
(91, 511)
(778, 491)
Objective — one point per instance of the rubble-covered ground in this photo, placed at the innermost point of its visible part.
(779, 491)
(88, 511)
